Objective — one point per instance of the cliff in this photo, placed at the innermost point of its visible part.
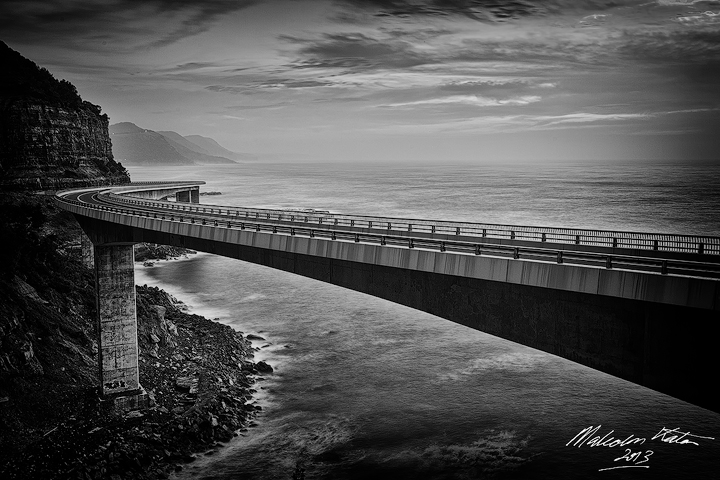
(49, 137)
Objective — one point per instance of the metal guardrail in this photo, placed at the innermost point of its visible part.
(183, 213)
(599, 238)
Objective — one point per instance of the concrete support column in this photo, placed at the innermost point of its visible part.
(183, 196)
(117, 345)
(88, 250)
(195, 195)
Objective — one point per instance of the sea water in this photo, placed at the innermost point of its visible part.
(365, 388)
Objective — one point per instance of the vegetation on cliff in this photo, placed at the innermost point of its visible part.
(22, 80)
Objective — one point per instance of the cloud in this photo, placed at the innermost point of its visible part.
(354, 51)
(121, 25)
(486, 11)
(480, 10)
(486, 124)
(473, 100)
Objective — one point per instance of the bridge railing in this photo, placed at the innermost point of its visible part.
(599, 238)
(460, 245)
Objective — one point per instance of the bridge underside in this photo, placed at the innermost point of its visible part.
(660, 346)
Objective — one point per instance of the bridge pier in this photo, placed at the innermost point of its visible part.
(117, 321)
(183, 196)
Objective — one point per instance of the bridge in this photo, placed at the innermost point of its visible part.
(644, 307)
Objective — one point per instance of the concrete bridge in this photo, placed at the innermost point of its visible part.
(643, 307)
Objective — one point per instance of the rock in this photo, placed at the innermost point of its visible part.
(254, 337)
(187, 383)
(263, 367)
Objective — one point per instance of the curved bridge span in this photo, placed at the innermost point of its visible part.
(643, 307)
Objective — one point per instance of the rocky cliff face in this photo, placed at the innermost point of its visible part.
(49, 137)
(47, 147)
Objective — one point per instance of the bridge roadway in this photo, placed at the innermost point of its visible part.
(643, 307)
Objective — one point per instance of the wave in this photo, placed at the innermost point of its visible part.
(513, 361)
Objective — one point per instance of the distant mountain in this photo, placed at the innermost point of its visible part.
(190, 150)
(214, 148)
(133, 145)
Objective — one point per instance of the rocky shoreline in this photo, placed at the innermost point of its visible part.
(198, 374)
(151, 252)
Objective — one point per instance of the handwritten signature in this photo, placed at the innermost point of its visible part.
(589, 437)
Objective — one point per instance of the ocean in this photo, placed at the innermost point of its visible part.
(367, 389)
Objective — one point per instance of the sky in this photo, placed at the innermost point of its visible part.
(438, 81)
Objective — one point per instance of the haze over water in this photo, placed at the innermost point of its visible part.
(365, 388)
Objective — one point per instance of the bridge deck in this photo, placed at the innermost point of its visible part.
(643, 314)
